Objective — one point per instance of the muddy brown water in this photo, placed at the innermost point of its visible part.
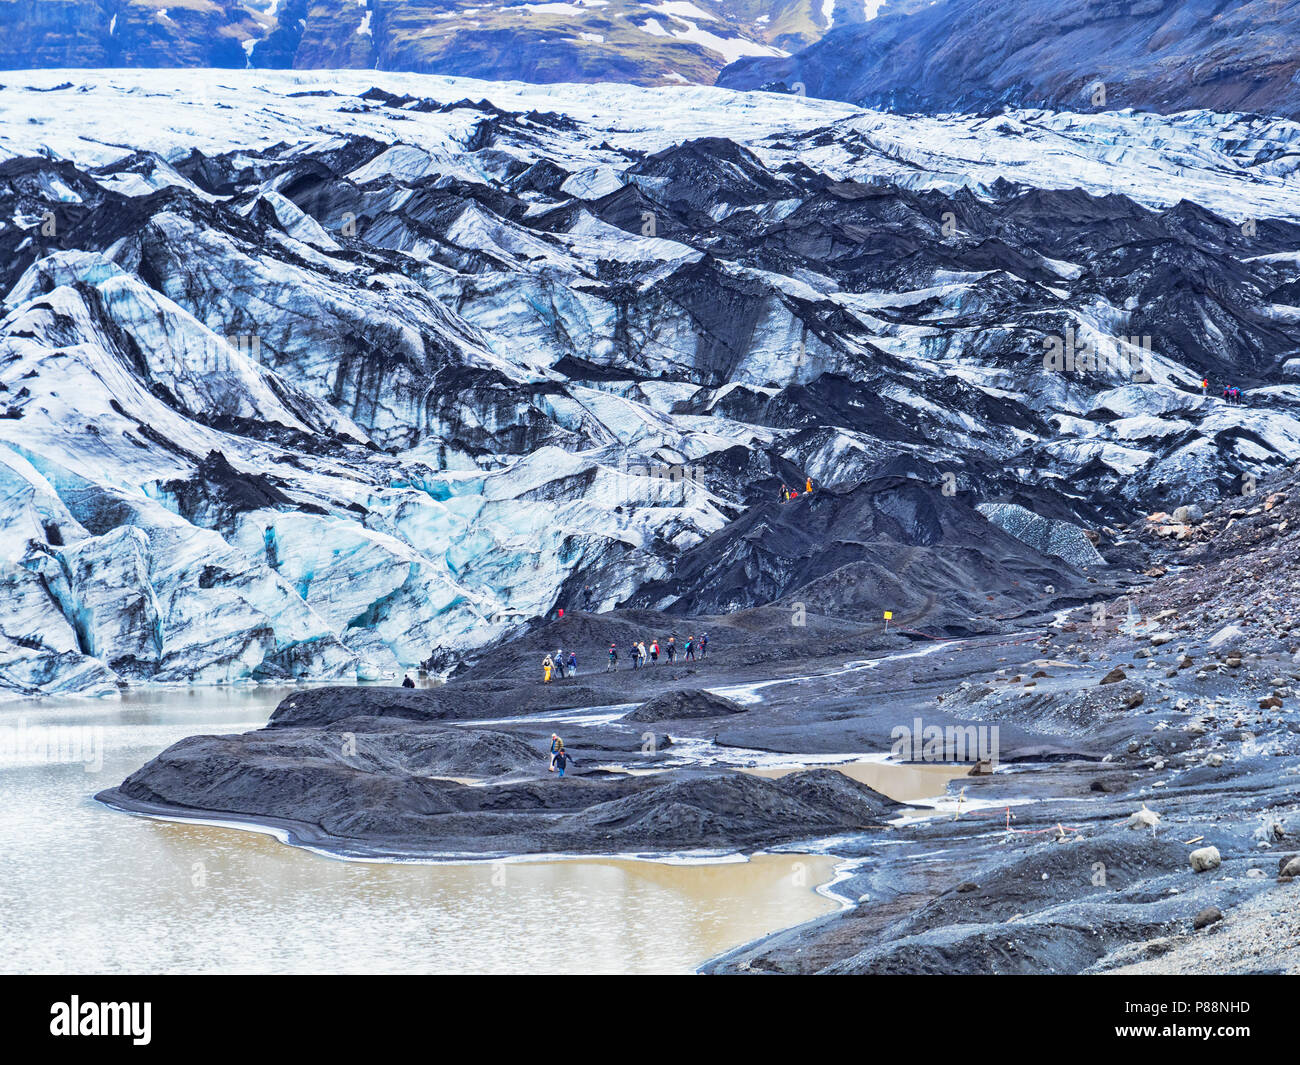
(87, 889)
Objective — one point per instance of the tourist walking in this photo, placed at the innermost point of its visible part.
(561, 760)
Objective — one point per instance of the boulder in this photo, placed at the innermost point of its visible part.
(1204, 859)
(1143, 818)
(1227, 638)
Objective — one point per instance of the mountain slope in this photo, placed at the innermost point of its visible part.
(974, 55)
(638, 41)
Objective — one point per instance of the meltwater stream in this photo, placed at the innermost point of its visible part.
(87, 889)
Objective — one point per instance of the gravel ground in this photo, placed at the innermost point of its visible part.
(1262, 935)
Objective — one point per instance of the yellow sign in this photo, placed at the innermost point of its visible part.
(889, 615)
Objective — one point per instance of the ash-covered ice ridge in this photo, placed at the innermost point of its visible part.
(323, 375)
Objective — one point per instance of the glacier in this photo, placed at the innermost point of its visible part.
(319, 375)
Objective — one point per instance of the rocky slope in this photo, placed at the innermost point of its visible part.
(306, 376)
(647, 43)
(976, 55)
(1181, 700)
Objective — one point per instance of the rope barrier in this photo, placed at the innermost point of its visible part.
(1060, 829)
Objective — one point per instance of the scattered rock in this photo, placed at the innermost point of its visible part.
(1143, 818)
(1204, 859)
(1208, 916)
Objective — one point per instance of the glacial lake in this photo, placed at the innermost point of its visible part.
(90, 890)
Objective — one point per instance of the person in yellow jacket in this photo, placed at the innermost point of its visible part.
(808, 485)
(546, 670)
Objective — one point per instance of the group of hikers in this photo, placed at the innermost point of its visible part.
(641, 656)
(1232, 395)
(788, 493)
(565, 663)
(559, 663)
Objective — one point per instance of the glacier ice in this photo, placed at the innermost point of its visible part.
(312, 386)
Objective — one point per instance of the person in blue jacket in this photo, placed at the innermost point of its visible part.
(561, 761)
